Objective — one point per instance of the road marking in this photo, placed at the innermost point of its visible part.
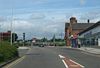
(77, 63)
(65, 63)
(14, 63)
(62, 57)
(70, 63)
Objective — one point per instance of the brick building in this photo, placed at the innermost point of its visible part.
(5, 35)
(73, 28)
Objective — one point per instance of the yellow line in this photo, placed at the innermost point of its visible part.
(15, 62)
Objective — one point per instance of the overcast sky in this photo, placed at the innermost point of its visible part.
(44, 18)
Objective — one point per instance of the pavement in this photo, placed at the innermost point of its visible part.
(94, 50)
(23, 50)
(23, 47)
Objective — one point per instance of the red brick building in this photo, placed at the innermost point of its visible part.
(5, 35)
(73, 28)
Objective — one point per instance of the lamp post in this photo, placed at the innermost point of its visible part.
(11, 24)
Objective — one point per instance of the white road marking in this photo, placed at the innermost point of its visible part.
(14, 63)
(65, 63)
(77, 63)
(62, 57)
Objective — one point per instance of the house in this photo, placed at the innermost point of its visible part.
(73, 28)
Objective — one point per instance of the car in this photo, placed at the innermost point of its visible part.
(41, 45)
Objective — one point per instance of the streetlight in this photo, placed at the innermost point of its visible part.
(11, 24)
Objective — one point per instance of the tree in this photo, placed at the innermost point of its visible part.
(44, 39)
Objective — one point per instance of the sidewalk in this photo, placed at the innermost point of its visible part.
(90, 50)
(23, 47)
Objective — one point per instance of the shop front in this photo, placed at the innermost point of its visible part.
(91, 36)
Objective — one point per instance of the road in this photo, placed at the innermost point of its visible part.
(88, 60)
(54, 57)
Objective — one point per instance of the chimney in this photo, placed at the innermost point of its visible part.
(73, 20)
(88, 21)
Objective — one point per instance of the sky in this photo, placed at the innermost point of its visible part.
(44, 18)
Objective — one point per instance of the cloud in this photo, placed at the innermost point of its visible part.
(22, 25)
(35, 16)
(3, 19)
(94, 16)
(51, 28)
(40, 1)
(47, 23)
(82, 2)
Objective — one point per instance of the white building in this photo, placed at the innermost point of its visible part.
(91, 36)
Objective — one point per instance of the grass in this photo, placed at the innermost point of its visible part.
(7, 51)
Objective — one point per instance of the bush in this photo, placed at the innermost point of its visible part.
(7, 51)
(1, 58)
(60, 43)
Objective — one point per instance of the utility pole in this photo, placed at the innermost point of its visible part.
(11, 35)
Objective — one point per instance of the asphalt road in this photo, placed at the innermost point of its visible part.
(40, 57)
(88, 60)
(48, 57)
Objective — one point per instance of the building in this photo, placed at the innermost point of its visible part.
(73, 28)
(91, 35)
(5, 36)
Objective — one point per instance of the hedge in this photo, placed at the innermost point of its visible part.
(7, 51)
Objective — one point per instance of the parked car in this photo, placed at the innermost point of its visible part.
(41, 45)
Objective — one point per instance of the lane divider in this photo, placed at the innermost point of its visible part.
(70, 63)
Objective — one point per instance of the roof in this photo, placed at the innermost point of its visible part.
(81, 25)
(91, 27)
